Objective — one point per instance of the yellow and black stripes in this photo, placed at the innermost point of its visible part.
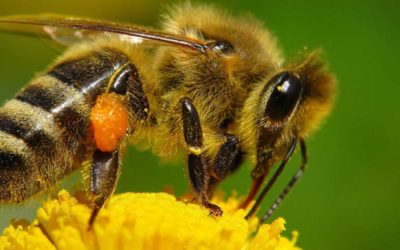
(14, 162)
(65, 106)
(86, 72)
(35, 138)
(43, 130)
(31, 141)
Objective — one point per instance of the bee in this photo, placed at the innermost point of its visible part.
(210, 84)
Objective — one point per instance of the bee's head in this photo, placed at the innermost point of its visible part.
(289, 104)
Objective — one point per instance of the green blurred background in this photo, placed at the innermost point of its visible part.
(349, 196)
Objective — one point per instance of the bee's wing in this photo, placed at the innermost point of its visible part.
(68, 30)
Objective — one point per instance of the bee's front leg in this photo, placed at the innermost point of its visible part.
(103, 178)
(198, 164)
(227, 160)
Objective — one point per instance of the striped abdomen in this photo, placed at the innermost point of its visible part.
(43, 129)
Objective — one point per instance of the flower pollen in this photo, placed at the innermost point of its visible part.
(143, 221)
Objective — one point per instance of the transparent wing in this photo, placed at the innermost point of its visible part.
(67, 30)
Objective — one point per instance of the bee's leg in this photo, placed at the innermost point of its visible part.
(271, 182)
(197, 162)
(103, 178)
(199, 178)
(291, 183)
(226, 157)
(104, 170)
(227, 160)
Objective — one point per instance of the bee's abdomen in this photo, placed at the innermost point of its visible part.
(42, 133)
(43, 130)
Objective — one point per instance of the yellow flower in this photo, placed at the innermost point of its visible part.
(143, 221)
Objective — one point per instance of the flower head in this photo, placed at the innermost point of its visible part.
(143, 221)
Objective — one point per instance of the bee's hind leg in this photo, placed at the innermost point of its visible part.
(103, 178)
(198, 164)
(104, 170)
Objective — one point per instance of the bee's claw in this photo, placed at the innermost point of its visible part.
(214, 209)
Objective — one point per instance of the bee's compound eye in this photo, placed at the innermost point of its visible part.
(221, 46)
(284, 97)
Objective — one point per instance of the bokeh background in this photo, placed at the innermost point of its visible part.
(349, 196)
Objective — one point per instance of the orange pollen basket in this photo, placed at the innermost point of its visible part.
(109, 119)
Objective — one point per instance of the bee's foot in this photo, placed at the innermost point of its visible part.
(214, 209)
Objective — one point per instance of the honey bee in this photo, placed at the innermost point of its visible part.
(209, 84)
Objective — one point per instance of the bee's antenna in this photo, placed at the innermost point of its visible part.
(291, 183)
(273, 179)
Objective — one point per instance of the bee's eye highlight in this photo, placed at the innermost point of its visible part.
(221, 46)
(284, 97)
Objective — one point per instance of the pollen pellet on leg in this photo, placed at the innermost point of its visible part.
(109, 119)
